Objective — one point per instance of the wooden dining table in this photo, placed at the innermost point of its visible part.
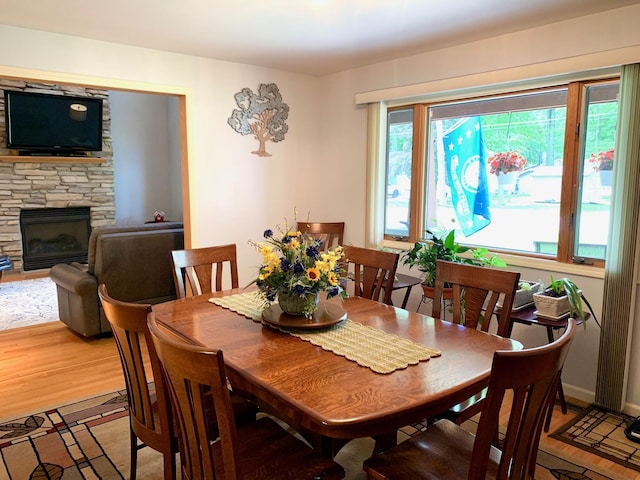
(318, 391)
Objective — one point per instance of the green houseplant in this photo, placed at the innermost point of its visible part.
(560, 297)
(424, 255)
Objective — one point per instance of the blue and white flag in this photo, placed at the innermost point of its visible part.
(467, 175)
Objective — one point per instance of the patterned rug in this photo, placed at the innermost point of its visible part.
(600, 431)
(27, 302)
(90, 440)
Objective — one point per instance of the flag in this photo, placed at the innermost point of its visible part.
(467, 175)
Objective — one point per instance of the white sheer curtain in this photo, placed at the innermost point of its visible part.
(619, 282)
(376, 145)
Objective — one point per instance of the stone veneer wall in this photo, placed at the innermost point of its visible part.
(53, 184)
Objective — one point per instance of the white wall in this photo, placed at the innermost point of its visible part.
(145, 160)
(320, 166)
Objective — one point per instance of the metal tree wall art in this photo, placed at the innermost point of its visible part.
(262, 115)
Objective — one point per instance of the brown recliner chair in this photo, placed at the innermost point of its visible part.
(133, 261)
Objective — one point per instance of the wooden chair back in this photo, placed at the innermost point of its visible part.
(372, 271)
(538, 371)
(194, 269)
(211, 447)
(330, 233)
(476, 291)
(191, 371)
(150, 415)
(447, 451)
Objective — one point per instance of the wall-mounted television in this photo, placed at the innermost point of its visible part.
(55, 124)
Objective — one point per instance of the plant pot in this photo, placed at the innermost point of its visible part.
(525, 297)
(606, 178)
(296, 305)
(551, 306)
(508, 178)
(447, 293)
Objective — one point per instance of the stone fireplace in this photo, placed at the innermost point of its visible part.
(52, 183)
(54, 235)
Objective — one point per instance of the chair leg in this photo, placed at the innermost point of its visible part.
(552, 402)
(385, 441)
(496, 437)
(133, 440)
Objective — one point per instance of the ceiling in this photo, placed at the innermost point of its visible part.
(315, 37)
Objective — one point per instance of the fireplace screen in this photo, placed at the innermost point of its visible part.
(54, 235)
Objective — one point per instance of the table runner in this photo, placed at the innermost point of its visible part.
(380, 351)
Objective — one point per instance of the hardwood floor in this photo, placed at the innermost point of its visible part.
(47, 365)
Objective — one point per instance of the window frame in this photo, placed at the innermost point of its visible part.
(571, 169)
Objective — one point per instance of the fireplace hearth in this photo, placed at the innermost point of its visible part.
(54, 235)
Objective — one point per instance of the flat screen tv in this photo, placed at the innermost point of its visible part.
(55, 124)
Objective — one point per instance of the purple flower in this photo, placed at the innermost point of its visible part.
(285, 264)
(268, 233)
(299, 290)
(333, 292)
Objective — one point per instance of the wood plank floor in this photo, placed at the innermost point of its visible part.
(47, 365)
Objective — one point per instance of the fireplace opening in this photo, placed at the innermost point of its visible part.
(54, 235)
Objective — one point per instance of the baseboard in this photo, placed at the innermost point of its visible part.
(11, 276)
(630, 409)
(579, 393)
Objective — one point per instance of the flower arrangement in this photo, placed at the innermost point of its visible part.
(505, 162)
(293, 266)
(602, 161)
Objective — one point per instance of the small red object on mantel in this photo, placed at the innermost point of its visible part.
(158, 216)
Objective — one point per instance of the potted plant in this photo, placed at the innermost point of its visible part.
(424, 255)
(562, 296)
(295, 271)
(524, 293)
(504, 163)
(603, 163)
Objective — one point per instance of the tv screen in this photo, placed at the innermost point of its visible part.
(38, 122)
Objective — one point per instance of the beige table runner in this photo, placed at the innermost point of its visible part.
(369, 347)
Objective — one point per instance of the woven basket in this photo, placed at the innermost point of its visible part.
(551, 306)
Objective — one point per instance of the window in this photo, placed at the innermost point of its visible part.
(526, 173)
(398, 171)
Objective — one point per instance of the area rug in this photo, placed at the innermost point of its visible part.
(89, 439)
(600, 431)
(27, 302)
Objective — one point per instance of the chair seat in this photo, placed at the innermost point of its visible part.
(444, 447)
(269, 452)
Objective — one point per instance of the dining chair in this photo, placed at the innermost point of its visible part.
(372, 271)
(194, 269)
(475, 294)
(330, 233)
(447, 451)
(149, 412)
(262, 449)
